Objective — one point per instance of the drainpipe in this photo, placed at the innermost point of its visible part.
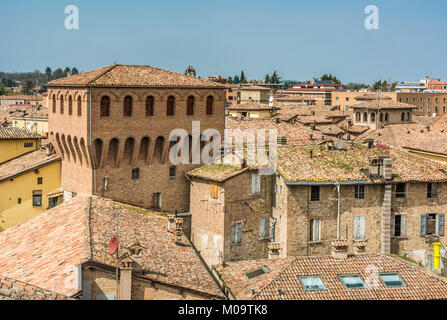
(338, 211)
(91, 140)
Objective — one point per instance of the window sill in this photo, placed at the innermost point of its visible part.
(315, 242)
(265, 239)
(400, 237)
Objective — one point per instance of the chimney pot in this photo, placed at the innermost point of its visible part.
(339, 249)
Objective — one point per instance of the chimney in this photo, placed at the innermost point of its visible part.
(135, 252)
(278, 120)
(359, 247)
(386, 208)
(339, 249)
(125, 282)
(178, 230)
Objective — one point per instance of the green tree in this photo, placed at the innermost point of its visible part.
(377, 85)
(267, 79)
(2, 90)
(275, 78)
(190, 71)
(236, 79)
(330, 77)
(67, 71)
(27, 87)
(58, 73)
(48, 74)
(74, 71)
(230, 80)
(243, 79)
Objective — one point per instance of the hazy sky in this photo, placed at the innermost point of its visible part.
(299, 38)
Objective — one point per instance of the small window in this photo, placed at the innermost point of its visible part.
(190, 106)
(172, 172)
(170, 106)
(392, 279)
(149, 106)
(39, 180)
(79, 107)
(257, 272)
(214, 190)
(255, 183)
(209, 105)
(432, 190)
(312, 283)
(135, 173)
(353, 282)
(264, 228)
(399, 225)
(28, 145)
(19, 200)
(127, 108)
(315, 193)
(401, 190)
(156, 200)
(236, 233)
(359, 192)
(315, 230)
(105, 107)
(37, 198)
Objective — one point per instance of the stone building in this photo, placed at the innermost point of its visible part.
(253, 94)
(112, 126)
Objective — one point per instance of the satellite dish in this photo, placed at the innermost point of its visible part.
(113, 245)
(340, 144)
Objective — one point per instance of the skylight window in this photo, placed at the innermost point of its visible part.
(312, 283)
(392, 280)
(257, 272)
(353, 282)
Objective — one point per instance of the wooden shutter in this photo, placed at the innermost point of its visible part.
(423, 225)
(440, 224)
(403, 225)
(362, 227)
(239, 232)
(263, 228)
(255, 183)
(393, 225)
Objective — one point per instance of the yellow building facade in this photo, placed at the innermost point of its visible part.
(38, 125)
(10, 149)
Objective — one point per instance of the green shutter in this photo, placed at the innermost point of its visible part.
(441, 224)
(423, 225)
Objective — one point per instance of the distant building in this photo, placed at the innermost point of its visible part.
(253, 94)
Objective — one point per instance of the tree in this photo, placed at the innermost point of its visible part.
(267, 79)
(230, 80)
(2, 90)
(67, 71)
(74, 71)
(48, 74)
(58, 73)
(27, 87)
(330, 77)
(243, 80)
(275, 78)
(190, 71)
(356, 86)
(377, 85)
(236, 79)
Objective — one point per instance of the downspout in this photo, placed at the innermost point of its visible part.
(91, 141)
(338, 211)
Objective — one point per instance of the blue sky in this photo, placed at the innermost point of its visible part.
(299, 38)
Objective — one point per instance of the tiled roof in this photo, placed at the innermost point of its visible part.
(254, 87)
(317, 164)
(216, 172)
(372, 96)
(133, 76)
(11, 289)
(383, 104)
(23, 111)
(251, 106)
(27, 162)
(283, 282)
(22, 97)
(43, 250)
(17, 134)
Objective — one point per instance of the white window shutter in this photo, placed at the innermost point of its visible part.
(403, 225)
(362, 227)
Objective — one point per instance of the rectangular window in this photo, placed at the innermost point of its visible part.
(28, 145)
(359, 192)
(236, 233)
(401, 190)
(37, 198)
(257, 272)
(392, 279)
(264, 228)
(312, 283)
(315, 193)
(172, 172)
(255, 183)
(156, 200)
(19, 200)
(135, 173)
(214, 190)
(39, 180)
(359, 227)
(315, 230)
(353, 282)
(432, 190)
(399, 225)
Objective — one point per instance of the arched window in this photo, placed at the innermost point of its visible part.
(62, 105)
(358, 117)
(79, 106)
(373, 117)
(387, 117)
(127, 108)
(402, 116)
(365, 117)
(149, 106)
(209, 105)
(381, 117)
(105, 106)
(190, 106)
(170, 106)
(70, 106)
(54, 103)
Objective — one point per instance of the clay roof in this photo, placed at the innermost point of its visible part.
(251, 106)
(312, 163)
(216, 172)
(11, 289)
(23, 111)
(283, 282)
(133, 76)
(22, 97)
(46, 250)
(254, 87)
(383, 104)
(17, 134)
(372, 96)
(25, 163)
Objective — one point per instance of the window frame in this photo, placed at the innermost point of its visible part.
(313, 199)
(359, 194)
(236, 240)
(404, 284)
(135, 173)
(432, 190)
(255, 184)
(313, 230)
(400, 194)
(342, 276)
(308, 277)
(38, 194)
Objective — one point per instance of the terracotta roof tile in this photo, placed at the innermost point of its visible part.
(133, 76)
(17, 134)
(383, 104)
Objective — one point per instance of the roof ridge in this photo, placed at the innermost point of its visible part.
(111, 67)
